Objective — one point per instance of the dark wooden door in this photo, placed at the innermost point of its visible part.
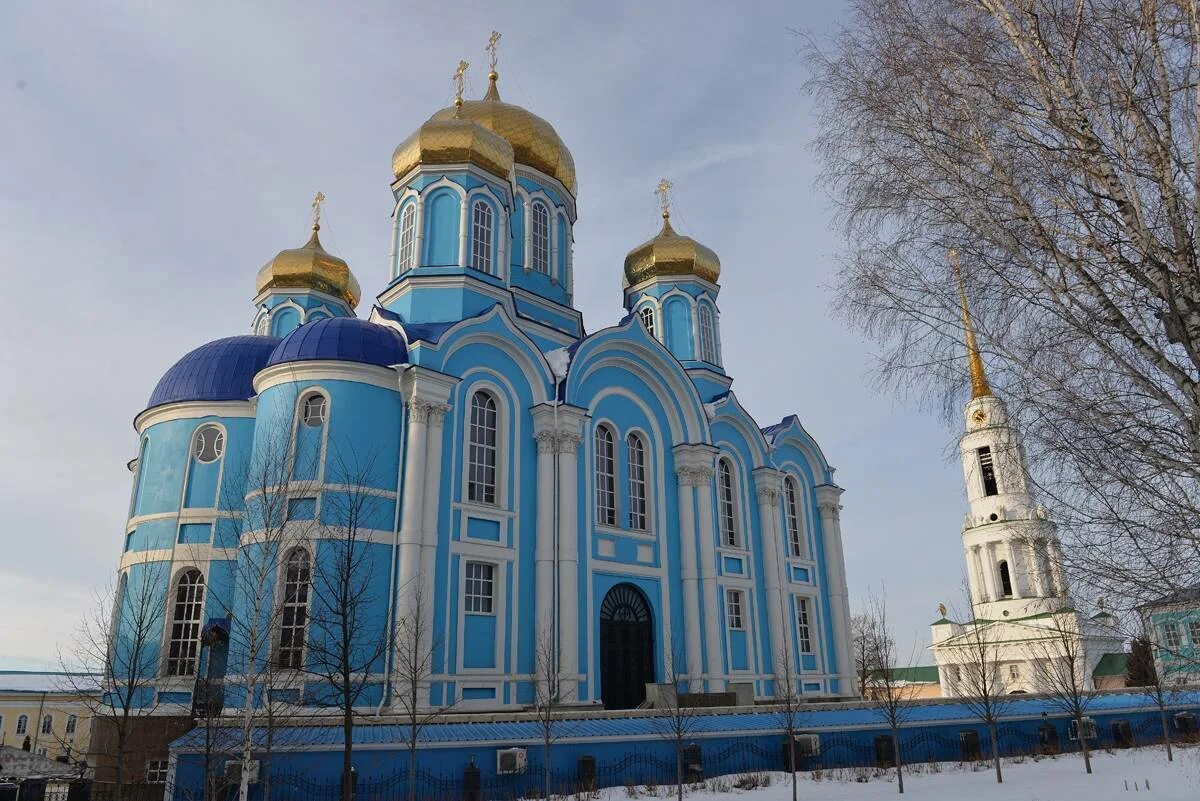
(626, 647)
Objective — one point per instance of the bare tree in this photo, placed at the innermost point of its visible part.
(675, 718)
(550, 693)
(415, 646)
(120, 638)
(1054, 144)
(1059, 667)
(790, 716)
(980, 684)
(894, 697)
(866, 656)
(346, 643)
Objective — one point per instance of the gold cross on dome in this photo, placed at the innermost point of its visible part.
(316, 207)
(664, 196)
(493, 40)
(458, 81)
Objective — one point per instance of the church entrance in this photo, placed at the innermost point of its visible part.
(626, 647)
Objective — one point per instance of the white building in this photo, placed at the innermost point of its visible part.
(1021, 609)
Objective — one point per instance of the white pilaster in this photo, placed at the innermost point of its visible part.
(689, 478)
(828, 496)
(713, 608)
(568, 560)
(766, 482)
(543, 553)
(429, 515)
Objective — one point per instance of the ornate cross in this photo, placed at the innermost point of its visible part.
(493, 40)
(316, 207)
(458, 81)
(664, 196)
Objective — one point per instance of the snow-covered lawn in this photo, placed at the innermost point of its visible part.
(1142, 774)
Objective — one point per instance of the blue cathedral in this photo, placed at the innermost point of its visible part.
(523, 481)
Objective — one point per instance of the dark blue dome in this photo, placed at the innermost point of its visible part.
(219, 371)
(343, 339)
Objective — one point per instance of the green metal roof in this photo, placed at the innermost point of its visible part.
(920, 674)
(1112, 665)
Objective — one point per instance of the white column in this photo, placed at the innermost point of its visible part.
(543, 552)
(828, 496)
(1037, 584)
(1054, 554)
(768, 501)
(714, 611)
(568, 560)
(975, 562)
(688, 480)
(1015, 570)
(987, 560)
(464, 256)
(429, 518)
(412, 509)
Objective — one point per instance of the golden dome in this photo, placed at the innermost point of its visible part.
(534, 141)
(310, 267)
(454, 140)
(671, 254)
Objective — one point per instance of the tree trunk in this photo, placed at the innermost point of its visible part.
(546, 745)
(896, 756)
(1087, 754)
(347, 752)
(792, 762)
(1166, 730)
(995, 751)
(679, 771)
(412, 765)
(120, 762)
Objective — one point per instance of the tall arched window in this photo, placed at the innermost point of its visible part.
(408, 238)
(637, 482)
(606, 478)
(23, 724)
(727, 501)
(795, 535)
(708, 339)
(481, 456)
(539, 238)
(293, 624)
(47, 724)
(184, 646)
(481, 236)
(646, 315)
(1005, 580)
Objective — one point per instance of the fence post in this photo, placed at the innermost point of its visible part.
(472, 782)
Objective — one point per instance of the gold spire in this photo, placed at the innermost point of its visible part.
(492, 92)
(318, 199)
(663, 190)
(979, 382)
(458, 83)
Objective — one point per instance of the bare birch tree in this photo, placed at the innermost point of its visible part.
(346, 643)
(980, 684)
(550, 694)
(675, 718)
(866, 656)
(1059, 667)
(120, 637)
(790, 716)
(894, 697)
(1054, 144)
(415, 646)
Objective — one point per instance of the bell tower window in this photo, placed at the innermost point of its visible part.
(481, 236)
(987, 471)
(646, 315)
(540, 238)
(1005, 580)
(408, 237)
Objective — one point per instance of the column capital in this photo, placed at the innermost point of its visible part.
(694, 476)
(423, 384)
(568, 441)
(547, 441)
(768, 495)
(426, 411)
(828, 499)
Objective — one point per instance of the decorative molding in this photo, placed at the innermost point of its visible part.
(768, 495)
(692, 476)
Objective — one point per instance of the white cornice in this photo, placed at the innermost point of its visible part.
(326, 370)
(191, 410)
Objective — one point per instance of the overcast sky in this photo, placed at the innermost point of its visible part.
(156, 154)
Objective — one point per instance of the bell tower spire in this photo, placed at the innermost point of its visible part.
(979, 382)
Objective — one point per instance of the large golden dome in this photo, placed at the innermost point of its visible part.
(534, 141)
(454, 140)
(310, 267)
(671, 254)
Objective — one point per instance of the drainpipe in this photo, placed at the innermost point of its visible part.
(386, 699)
(555, 633)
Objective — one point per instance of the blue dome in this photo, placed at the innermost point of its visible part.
(219, 371)
(343, 339)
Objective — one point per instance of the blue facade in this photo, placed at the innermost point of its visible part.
(506, 479)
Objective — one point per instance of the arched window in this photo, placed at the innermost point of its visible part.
(481, 236)
(481, 458)
(646, 315)
(47, 724)
(408, 238)
(293, 624)
(264, 324)
(539, 239)
(72, 724)
(314, 411)
(184, 646)
(708, 339)
(606, 478)
(795, 535)
(727, 502)
(637, 482)
(208, 444)
(1005, 580)
(22, 724)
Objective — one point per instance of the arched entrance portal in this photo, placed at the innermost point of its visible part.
(626, 647)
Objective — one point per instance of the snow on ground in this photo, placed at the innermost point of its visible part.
(1143, 774)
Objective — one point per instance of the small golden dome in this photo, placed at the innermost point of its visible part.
(671, 254)
(310, 267)
(454, 140)
(534, 141)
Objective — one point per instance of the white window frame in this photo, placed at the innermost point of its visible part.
(604, 447)
(478, 482)
(72, 724)
(735, 610)
(639, 501)
(157, 770)
(479, 591)
(483, 228)
(708, 333)
(407, 247)
(310, 417)
(791, 508)
(803, 625)
(727, 504)
(199, 445)
(188, 661)
(539, 237)
(1172, 635)
(23, 724)
(647, 318)
(292, 656)
(1194, 632)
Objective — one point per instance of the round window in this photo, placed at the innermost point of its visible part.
(314, 410)
(209, 444)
